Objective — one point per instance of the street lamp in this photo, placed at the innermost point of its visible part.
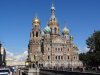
(26, 63)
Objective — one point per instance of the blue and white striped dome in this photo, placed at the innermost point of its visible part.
(47, 29)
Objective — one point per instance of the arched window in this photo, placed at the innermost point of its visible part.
(74, 57)
(51, 30)
(55, 30)
(68, 49)
(61, 49)
(36, 34)
(68, 57)
(54, 19)
(59, 57)
(48, 49)
(56, 49)
(56, 57)
(33, 34)
(48, 57)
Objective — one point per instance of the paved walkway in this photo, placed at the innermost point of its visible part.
(16, 73)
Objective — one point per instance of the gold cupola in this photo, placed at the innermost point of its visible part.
(36, 21)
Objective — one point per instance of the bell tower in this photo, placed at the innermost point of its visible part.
(53, 23)
(34, 47)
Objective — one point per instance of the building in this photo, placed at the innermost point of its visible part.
(14, 62)
(2, 56)
(50, 48)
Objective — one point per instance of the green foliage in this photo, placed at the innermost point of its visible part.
(92, 57)
(93, 42)
(82, 57)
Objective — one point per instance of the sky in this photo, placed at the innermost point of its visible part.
(81, 17)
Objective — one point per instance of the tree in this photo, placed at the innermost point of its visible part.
(82, 57)
(93, 43)
(92, 57)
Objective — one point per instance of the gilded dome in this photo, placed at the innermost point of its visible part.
(47, 29)
(36, 21)
(65, 30)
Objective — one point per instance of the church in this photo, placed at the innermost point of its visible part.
(51, 47)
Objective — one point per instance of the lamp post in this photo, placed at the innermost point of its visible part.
(26, 63)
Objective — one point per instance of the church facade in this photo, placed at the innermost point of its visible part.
(50, 47)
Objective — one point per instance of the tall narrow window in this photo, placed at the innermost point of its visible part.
(48, 57)
(74, 57)
(61, 49)
(55, 30)
(54, 19)
(68, 57)
(51, 30)
(36, 34)
(33, 34)
(48, 49)
(56, 57)
(68, 49)
(59, 57)
(56, 49)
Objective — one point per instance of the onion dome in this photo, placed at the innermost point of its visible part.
(47, 29)
(52, 7)
(65, 31)
(71, 37)
(42, 33)
(36, 21)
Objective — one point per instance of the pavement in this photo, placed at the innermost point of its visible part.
(16, 73)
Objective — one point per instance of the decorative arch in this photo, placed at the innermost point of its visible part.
(36, 34)
(51, 30)
(33, 33)
(55, 30)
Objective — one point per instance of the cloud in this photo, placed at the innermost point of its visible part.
(19, 57)
(83, 50)
(9, 54)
